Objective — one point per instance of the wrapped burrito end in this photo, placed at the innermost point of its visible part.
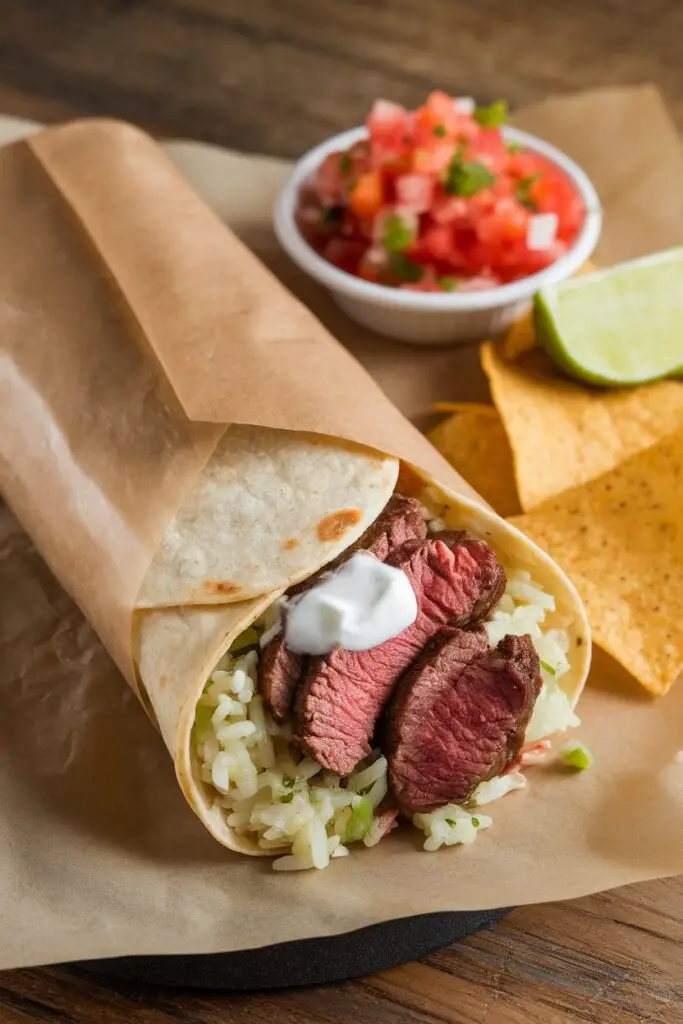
(269, 508)
(300, 755)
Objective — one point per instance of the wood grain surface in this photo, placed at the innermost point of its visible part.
(275, 76)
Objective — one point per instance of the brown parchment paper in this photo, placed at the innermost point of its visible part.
(100, 856)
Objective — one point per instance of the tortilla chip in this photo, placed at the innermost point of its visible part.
(620, 539)
(474, 441)
(563, 434)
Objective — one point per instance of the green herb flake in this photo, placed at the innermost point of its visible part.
(492, 116)
(523, 192)
(202, 719)
(548, 668)
(449, 821)
(576, 755)
(287, 798)
(345, 164)
(448, 284)
(476, 822)
(439, 130)
(359, 822)
(396, 235)
(288, 782)
(331, 215)
(405, 269)
(514, 147)
(466, 179)
(248, 638)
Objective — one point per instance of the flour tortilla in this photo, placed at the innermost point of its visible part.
(176, 649)
(270, 507)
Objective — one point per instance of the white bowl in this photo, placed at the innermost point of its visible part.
(427, 318)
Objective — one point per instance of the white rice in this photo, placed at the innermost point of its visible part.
(286, 803)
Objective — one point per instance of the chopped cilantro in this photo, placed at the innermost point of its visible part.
(576, 755)
(448, 284)
(449, 821)
(331, 215)
(514, 147)
(202, 719)
(405, 269)
(439, 130)
(288, 781)
(548, 668)
(248, 638)
(466, 179)
(345, 164)
(476, 822)
(287, 798)
(523, 192)
(492, 116)
(359, 821)
(396, 235)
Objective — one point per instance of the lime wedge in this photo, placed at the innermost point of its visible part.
(619, 326)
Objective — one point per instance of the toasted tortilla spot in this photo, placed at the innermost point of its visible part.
(220, 587)
(334, 526)
(163, 682)
(290, 544)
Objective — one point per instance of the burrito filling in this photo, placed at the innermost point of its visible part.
(309, 752)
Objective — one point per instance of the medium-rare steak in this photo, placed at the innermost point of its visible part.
(279, 672)
(280, 669)
(343, 694)
(459, 717)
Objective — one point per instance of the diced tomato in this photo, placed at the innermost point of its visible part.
(507, 222)
(489, 148)
(524, 165)
(438, 243)
(390, 128)
(553, 193)
(449, 209)
(367, 196)
(414, 192)
(328, 180)
(433, 159)
(344, 253)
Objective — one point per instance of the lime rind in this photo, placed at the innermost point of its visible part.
(617, 327)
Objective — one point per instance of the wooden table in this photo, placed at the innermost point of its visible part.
(275, 76)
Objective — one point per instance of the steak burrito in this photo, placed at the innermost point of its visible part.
(405, 656)
(330, 642)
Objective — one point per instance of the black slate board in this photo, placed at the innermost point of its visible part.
(306, 962)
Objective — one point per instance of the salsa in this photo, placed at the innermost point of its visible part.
(436, 200)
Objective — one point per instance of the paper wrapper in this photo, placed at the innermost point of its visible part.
(100, 856)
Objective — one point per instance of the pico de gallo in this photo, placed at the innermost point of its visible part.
(436, 200)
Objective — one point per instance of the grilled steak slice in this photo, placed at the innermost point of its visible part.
(279, 672)
(459, 717)
(343, 694)
(280, 669)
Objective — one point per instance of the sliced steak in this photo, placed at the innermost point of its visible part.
(491, 572)
(279, 672)
(459, 718)
(343, 694)
(279, 668)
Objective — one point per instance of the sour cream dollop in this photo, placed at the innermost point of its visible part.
(358, 607)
